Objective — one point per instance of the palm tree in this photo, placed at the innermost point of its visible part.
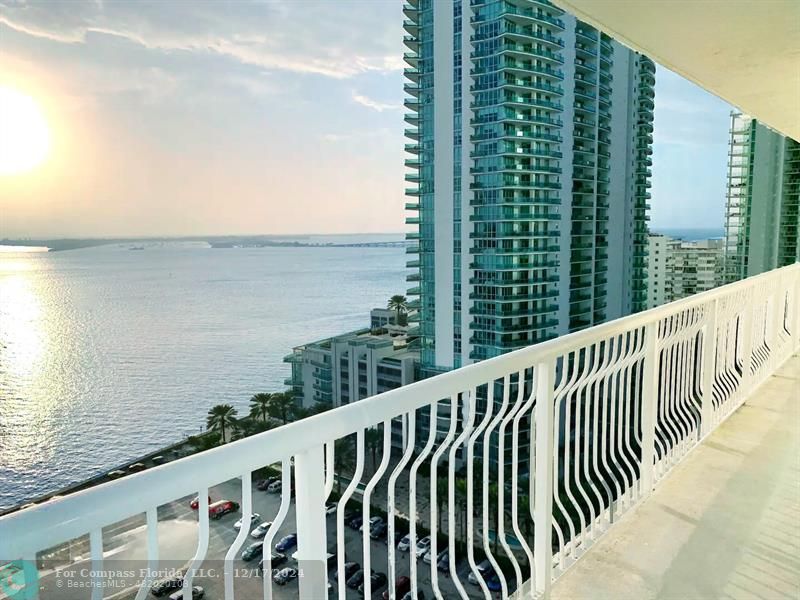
(442, 496)
(461, 503)
(373, 439)
(259, 406)
(343, 455)
(399, 304)
(220, 417)
(280, 406)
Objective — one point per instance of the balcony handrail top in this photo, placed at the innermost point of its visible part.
(47, 524)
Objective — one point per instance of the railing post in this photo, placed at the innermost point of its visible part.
(794, 306)
(747, 346)
(543, 492)
(709, 358)
(312, 545)
(649, 408)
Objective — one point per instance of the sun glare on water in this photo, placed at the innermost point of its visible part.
(24, 135)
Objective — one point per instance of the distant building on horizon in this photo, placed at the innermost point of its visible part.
(762, 217)
(658, 246)
(678, 269)
(531, 140)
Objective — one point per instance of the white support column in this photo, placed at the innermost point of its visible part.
(309, 473)
(543, 492)
(709, 356)
(649, 408)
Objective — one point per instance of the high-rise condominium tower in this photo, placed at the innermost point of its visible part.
(761, 224)
(531, 137)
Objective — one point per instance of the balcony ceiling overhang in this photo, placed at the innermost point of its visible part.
(745, 52)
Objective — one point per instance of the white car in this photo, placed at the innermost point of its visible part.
(428, 558)
(422, 546)
(260, 531)
(404, 544)
(484, 568)
(254, 518)
(330, 508)
(275, 487)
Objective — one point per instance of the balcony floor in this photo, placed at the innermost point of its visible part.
(724, 524)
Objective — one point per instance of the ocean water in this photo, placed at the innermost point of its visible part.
(108, 353)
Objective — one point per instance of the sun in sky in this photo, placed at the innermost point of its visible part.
(24, 134)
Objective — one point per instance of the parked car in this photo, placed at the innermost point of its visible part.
(253, 551)
(378, 531)
(330, 508)
(484, 568)
(372, 522)
(286, 543)
(493, 583)
(264, 484)
(260, 531)
(401, 586)
(254, 518)
(355, 580)
(356, 522)
(398, 536)
(349, 569)
(158, 460)
(195, 504)
(137, 467)
(222, 507)
(428, 558)
(276, 560)
(197, 593)
(275, 487)
(377, 581)
(443, 561)
(284, 576)
(116, 474)
(163, 587)
(422, 546)
(405, 543)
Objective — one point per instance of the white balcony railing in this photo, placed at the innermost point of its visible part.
(598, 418)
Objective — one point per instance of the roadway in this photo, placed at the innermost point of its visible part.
(125, 555)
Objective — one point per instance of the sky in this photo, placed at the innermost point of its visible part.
(184, 118)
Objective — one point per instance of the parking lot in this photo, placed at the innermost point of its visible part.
(125, 551)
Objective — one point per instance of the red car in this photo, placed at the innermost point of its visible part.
(195, 504)
(222, 507)
(401, 586)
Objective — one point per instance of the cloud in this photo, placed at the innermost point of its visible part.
(687, 115)
(303, 37)
(374, 104)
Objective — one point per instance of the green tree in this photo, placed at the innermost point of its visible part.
(373, 439)
(442, 492)
(461, 504)
(281, 406)
(259, 406)
(343, 458)
(220, 418)
(399, 304)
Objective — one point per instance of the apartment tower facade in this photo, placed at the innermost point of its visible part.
(762, 217)
(530, 135)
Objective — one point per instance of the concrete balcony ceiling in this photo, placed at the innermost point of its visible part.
(747, 53)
